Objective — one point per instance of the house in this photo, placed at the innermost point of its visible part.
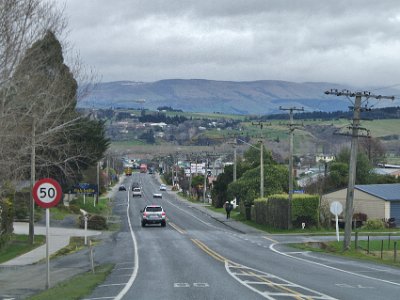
(377, 201)
(387, 171)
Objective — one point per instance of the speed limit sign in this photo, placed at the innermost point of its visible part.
(47, 192)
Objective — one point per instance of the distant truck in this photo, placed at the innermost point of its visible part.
(143, 168)
(128, 171)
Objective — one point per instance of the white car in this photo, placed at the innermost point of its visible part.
(157, 195)
(163, 187)
(137, 192)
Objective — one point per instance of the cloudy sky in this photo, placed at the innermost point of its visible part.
(353, 42)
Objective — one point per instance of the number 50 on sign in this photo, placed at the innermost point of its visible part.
(47, 192)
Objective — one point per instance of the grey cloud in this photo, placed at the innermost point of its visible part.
(309, 40)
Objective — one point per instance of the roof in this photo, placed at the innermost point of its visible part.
(387, 192)
(385, 171)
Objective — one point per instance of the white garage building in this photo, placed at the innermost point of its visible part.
(377, 201)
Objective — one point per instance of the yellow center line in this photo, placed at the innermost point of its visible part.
(274, 285)
(177, 228)
(223, 259)
(269, 239)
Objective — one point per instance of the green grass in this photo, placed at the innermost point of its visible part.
(18, 245)
(373, 255)
(103, 207)
(59, 213)
(77, 287)
(75, 244)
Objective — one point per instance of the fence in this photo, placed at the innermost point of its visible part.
(386, 248)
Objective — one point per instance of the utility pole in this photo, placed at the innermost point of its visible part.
(98, 183)
(205, 180)
(234, 144)
(33, 178)
(292, 127)
(234, 163)
(355, 127)
(261, 161)
(261, 169)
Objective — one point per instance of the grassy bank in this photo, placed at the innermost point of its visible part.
(77, 287)
(18, 245)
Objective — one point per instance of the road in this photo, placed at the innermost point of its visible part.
(197, 257)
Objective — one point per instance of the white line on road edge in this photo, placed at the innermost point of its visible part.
(136, 258)
(271, 247)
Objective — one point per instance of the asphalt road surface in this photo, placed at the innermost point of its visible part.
(197, 257)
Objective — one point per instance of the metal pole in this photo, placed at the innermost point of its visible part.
(352, 173)
(47, 249)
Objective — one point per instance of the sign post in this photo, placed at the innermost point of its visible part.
(47, 193)
(336, 208)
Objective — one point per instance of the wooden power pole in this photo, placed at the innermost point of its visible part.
(355, 128)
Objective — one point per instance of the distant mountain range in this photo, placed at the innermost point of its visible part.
(230, 97)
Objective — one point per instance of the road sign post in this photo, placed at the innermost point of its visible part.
(336, 208)
(47, 193)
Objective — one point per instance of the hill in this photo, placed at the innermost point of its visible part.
(199, 95)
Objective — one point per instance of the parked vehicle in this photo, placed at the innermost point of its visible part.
(153, 214)
(143, 168)
(128, 171)
(137, 192)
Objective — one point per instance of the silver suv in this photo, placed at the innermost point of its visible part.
(153, 214)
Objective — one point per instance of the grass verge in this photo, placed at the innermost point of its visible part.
(378, 252)
(18, 245)
(77, 287)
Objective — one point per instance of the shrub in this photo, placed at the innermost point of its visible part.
(6, 220)
(95, 222)
(21, 205)
(360, 217)
(374, 224)
(305, 209)
(74, 208)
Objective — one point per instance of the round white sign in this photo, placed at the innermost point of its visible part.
(336, 208)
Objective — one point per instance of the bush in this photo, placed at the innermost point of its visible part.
(374, 224)
(74, 208)
(21, 205)
(6, 220)
(305, 209)
(360, 217)
(95, 222)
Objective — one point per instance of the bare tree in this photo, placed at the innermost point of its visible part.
(39, 126)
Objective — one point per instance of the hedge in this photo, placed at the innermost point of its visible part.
(273, 211)
(6, 220)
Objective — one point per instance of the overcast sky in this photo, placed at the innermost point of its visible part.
(353, 42)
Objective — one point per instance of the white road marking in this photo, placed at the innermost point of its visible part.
(200, 284)
(270, 280)
(112, 284)
(135, 258)
(181, 285)
(271, 247)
